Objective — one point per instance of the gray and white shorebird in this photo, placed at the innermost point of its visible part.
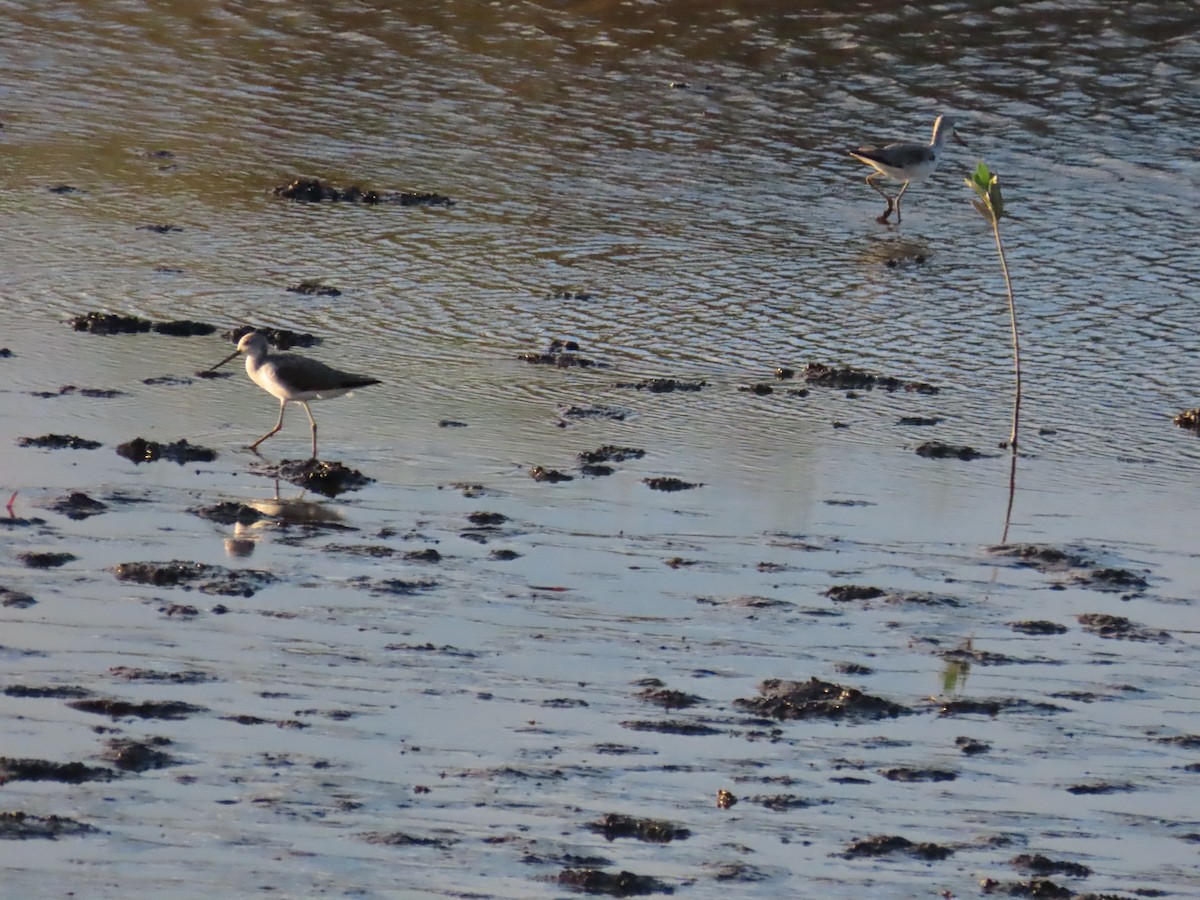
(906, 162)
(292, 379)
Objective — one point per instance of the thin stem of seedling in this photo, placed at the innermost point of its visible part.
(990, 205)
(1016, 338)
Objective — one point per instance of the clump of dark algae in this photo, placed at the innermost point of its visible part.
(888, 844)
(620, 884)
(816, 699)
(849, 379)
(653, 831)
(1040, 888)
(130, 755)
(279, 338)
(942, 450)
(1120, 628)
(148, 709)
(23, 826)
(312, 288)
(78, 505)
(140, 450)
(846, 593)
(1080, 568)
(115, 323)
(46, 560)
(561, 353)
(58, 442)
(664, 385)
(326, 478)
(670, 484)
(208, 579)
(45, 770)
(1189, 419)
(552, 476)
(312, 190)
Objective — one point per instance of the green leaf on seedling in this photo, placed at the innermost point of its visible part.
(987, 186)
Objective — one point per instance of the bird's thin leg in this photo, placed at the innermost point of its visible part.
(313, 422)
(275, 430)
(898, 196)
(873, 181)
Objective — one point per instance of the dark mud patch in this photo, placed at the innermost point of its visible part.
(149, 709)
(816, 699)
(309, 288)
(130, 755)
(206, 578)
(893, 844)
(183, 676)
(229, 513)
(942, 450)
(846, 593)
(911, 775)
(562, 354)
(1036, 864)
(78, 505)
(1100, 788)
(664, 385)
(619, 884)
(847, 378)
(974, 656)
(671, 726)
(652, 831)
(483, 519)
(1189, 419)
(20, 826)
(15, 599)
(609, 453)
(45, 770)
(1078, 567)
(394, 587)
(443, 650)
(596, 411)
(140, 450)
(671, 485)
(971, 746)
(45, 560)
(667, 698)
(58, 442)
(68, 390)
(110, 323)
(313, 190)
(115, 323)
(1038, 627)
(279, 338)
(993, 707)
(1120, 628)
(328, 479)
(1040, 888)
(549, 476)
(404, 839)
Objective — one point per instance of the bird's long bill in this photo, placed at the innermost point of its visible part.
(225, 360)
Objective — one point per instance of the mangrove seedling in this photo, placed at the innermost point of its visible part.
(990, 205)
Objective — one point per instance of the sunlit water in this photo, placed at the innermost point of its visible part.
(666, 184)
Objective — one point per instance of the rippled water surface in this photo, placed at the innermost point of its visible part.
(666, 184)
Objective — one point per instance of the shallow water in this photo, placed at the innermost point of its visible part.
(665, 184)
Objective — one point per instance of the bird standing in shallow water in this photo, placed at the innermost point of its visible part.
(906, 162)
(292, 379)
